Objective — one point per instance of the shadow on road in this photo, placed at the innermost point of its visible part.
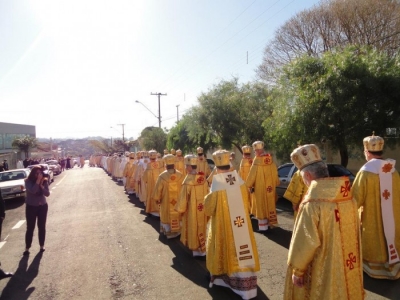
(194, 269)
(17, 286)
(386, 288)
(277, 235)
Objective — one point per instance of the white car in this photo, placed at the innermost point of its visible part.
(12, 183)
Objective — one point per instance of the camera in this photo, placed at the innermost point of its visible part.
(45, 175)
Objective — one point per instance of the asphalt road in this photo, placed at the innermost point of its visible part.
(101, 245)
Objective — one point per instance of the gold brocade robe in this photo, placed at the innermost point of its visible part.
(149, 180)
(202, 166)
(166, 192)
(180, 165)
(140, 187)
(366, 190)
(263, 177)
(210, 177)
(191, 205)
(221, 251)
(109, 164)
(244, 168)
(129, 172)
(296, 191)
(326, 245)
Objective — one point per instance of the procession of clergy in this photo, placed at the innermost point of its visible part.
(339, 231)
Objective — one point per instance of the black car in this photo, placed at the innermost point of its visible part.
(286, 171)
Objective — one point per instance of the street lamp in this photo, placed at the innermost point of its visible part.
(159, 117)
(177, 113)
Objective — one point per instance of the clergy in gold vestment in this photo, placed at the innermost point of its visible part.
(232, 256)
(377, 191)
(138, 160)
(324, 259)
(142, 166)
(245, 163)
(263, 179)
(191, 206)
(149, 180)
(166, 193)
(128, 173)
(296, 191)
(202, 164)
(179, 163)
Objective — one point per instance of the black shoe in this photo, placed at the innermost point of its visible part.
(4, 274)
(26, 252)
(42, 249)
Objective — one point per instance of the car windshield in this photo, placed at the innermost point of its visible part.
(14, 175)
(52, 162)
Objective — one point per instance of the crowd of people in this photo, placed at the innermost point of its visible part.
(66, 162)
(340, 230)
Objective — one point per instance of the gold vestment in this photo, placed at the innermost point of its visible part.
(263, 177)
(366, 190)
(326, 245)
(149, 180)
(191, 205)
(296, 191)
(221, 252)
(166, 192)
(244, 168)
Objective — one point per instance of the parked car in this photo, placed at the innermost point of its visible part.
(54, 166)
(286, 171)
(12, 183)
(46, 171)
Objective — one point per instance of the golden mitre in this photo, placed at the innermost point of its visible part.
(246, 149)
(258, 145)
(179, 152)
(373, 143)
(166, 151)
(173, 152)
(153, 154)
(221, 158)
(305, 155)
(145, 153)
(132, 155)
(169, 159)
(191, 159)
(158, 155)
(199, 150)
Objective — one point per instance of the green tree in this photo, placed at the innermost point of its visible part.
(341, 97)
(178, 137)
(231, 114)
(153, 138)
(24, 143)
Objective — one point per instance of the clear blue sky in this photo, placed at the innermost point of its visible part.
(75, 68)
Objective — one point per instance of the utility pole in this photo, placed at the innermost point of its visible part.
(123, 132)
(159, 107)
(177, 113)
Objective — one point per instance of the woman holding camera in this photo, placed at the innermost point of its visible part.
(37, 189)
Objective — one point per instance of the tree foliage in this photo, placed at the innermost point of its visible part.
(24, 143)
(331, 25)
(229, 114)
(153, 138)
(340, 97)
